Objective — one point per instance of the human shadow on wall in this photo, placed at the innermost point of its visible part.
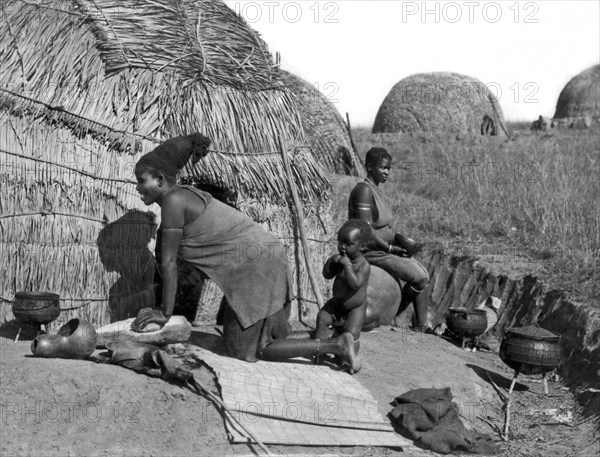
(123, 248)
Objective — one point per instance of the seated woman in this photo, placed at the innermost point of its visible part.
(368, 202)
(214, 238)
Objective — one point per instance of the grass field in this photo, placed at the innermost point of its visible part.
(536, 196)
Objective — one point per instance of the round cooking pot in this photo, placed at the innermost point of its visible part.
(530, 350)
(465, 323)
(36, 307)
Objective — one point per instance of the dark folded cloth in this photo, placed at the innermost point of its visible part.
(148, 359)
(431, 418)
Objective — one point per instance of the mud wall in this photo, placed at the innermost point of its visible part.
(465, 281)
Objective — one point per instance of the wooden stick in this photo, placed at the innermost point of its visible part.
(203, 391)
(512, 384)
(492, 426)
(18, 334)
(300, 221)
(508, 403)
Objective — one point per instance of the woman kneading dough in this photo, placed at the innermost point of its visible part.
(248, 263)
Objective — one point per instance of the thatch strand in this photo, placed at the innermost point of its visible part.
(89, 175)
(19, 104)
(52, 213)
(201, 40)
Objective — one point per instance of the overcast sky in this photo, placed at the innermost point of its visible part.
(354, 51)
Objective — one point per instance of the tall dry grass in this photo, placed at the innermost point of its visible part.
(535, 197)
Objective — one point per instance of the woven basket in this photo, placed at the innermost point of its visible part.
(208, 303)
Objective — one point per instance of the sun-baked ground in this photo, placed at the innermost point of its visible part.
(56, 407)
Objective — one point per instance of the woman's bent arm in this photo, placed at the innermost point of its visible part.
(171, 238)
(173, 220)
(362, 199)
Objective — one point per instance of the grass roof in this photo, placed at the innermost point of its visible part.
(325, 129)
(581, 96)
(438, 102)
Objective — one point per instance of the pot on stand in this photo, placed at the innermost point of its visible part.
(35, 308)
(529, 350)
(466, 324)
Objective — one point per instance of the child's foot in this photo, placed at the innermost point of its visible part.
(349, 354)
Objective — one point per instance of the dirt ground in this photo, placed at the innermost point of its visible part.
(55, 407)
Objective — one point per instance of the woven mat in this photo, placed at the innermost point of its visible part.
(299, 404)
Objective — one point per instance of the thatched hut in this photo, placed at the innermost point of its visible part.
(580, 98)
(325, 129)
(86, 88)
(440, 103)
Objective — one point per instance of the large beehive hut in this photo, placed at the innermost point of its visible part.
(581, 96)
(325, 129)
(438, 103)
(86, 88)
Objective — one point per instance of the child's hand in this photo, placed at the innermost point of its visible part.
(345, 260)
(336, 258)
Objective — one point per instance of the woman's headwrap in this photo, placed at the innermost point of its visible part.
(173, 154)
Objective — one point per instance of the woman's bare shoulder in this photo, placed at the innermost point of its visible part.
(180, 207)
(177, 197)
(172, 210)
(361, 191)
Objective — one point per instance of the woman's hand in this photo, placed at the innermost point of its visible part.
(397, 250)
(146, 316)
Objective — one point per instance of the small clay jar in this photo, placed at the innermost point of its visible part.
(74, 340)
(408, 244)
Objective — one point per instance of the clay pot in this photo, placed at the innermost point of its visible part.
(468, 324)
(410, 245)
(384, 297)
(36, 307)
(74, 340)
(530, 350)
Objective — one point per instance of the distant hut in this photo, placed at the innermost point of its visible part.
(86, 88)
(325, 129)
(579, 101)
(440, 103)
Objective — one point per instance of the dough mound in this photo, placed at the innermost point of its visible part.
(151, 327)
